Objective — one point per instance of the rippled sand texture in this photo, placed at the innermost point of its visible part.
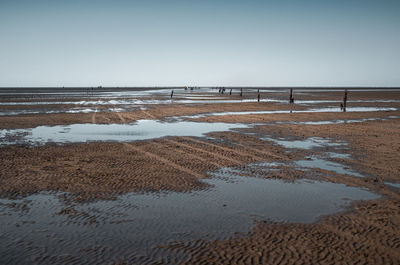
(368, 235)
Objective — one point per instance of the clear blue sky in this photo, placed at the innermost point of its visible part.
(218, 42)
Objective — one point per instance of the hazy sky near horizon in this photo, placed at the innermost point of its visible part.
(208, 42)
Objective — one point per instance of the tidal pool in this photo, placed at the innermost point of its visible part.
(141, 130)
(308, 143)
(318, 161)
(315, 162)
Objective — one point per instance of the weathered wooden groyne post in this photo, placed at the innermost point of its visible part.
(291, 98)
(241, 92)
(258, 95)
(345, 100)
(230, 92)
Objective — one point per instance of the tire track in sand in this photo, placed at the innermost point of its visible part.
(94, 116)
(148, 114)
(121, 117)
(262, 152)
(255, 157)
(232, 160)
(165, 161)
(207, 161)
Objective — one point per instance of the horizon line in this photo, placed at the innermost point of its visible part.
(190, 86)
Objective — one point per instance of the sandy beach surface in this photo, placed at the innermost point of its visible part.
(133, 176)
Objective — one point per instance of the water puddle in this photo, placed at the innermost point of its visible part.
(353, 109)
(309, 143)
(318, 162)
(329, 122)
(337, 155)
(315, 110)
(311, 102)
(85, 92)
(132, 225)
(315, 162)
(335, 121)
(47, 111)
(141, 130)
(138, 101)
(314, 143)
(395, 185)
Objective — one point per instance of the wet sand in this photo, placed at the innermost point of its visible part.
(148, 112)
(97, 170)
(368, 235)
(359, 153)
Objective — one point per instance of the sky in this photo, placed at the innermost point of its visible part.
(199, 43)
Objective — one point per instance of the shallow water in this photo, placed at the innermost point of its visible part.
(47, 111)
(141, 130)
(318, 162)
(308, 143)
(85, 92)
(310, 102)
(314, 110)
(396, 185)
(138, 101)
(337, 155)
(330, 122)
(318, 143)
(132, 225)
(337, 121)
(315, 162)
(352, 109)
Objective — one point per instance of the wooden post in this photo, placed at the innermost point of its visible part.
(230, 92)
(172, 93)
(291, 98)
(345, 100)
(241, 91)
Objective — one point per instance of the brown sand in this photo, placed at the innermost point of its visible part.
(367, 235)
(296, 117)
(151, 112)
(101, 170)
(375, 145)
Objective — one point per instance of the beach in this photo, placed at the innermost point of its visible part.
(137, 176)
